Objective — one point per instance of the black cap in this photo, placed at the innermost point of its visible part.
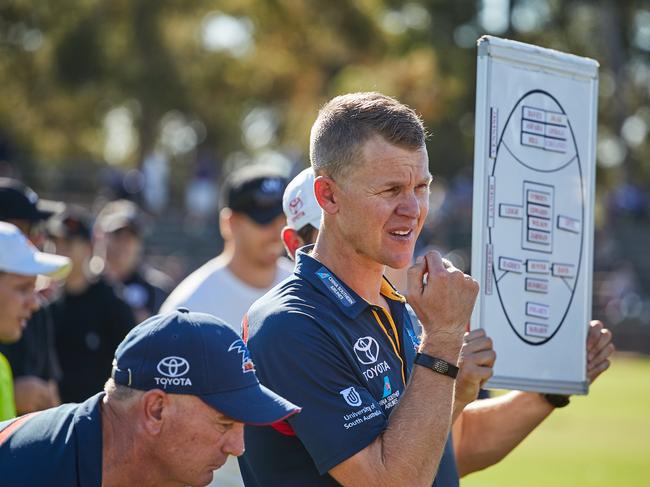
(120, 214)
(255, 191)
(19, 202)
(73, 222)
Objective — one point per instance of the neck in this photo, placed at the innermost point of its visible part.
(122, 459)
(356, 270)
(119, 275)
(77, 281)
(247, 270)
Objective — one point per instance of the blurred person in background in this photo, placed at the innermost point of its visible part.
(20, 263)
(90, 320)
(250, 222)
(302, 211)
(33, 358)
(119, 232)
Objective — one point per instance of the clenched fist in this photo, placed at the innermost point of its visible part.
(442, 297)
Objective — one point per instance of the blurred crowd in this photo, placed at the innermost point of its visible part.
(72, 326)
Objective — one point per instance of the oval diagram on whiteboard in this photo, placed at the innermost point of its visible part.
(537, 236)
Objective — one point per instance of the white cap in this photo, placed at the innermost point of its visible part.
(299, 201)
(19, 256)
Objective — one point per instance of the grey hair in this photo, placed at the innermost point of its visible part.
(120, 393)
(346, 122)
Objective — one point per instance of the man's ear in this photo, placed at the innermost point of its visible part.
(291, 240)
(154, 406)
(325, 191)
(225, 223)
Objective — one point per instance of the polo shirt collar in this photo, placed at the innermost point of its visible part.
(325, 281)
(88, 432)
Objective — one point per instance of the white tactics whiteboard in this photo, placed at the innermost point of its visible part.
(532, 234)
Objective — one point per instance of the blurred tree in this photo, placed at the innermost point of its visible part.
(88, 82)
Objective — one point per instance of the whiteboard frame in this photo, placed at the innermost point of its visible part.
(548, 61)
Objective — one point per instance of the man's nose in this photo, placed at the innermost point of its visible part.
(234, 444)
(409, 206)
(33, 301)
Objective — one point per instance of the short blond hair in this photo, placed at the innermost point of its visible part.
(346, 122)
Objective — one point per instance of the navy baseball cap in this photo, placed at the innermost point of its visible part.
(197, 354)
(255, 191)
(19, 202)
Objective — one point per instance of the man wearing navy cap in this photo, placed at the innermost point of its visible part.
(182, 387)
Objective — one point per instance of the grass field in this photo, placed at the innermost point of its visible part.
(602, 440)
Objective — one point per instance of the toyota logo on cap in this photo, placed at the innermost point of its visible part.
(173, 366)
(367, 350)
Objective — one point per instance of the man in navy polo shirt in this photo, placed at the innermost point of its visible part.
(183, 384)
(320, 338)
(337, 334)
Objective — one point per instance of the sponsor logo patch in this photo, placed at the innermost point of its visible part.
(247, 364)
(351, 396)
(361, 416)
(387, 388)
(173, 369)
(376, 370)
(367, 350)
(335, 287)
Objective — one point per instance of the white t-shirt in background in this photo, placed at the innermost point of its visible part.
(214, 289)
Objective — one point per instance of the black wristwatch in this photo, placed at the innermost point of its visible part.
(557, 400)
(437, 365)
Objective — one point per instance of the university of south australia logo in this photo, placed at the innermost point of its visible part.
(351, 396)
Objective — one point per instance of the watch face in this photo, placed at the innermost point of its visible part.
(441, 366)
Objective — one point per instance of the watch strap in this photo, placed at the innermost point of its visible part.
(557, 400)
(437, 365)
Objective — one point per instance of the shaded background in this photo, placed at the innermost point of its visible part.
(157, 100)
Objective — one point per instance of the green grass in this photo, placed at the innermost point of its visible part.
(601, 440)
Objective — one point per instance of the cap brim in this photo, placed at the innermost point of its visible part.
(265, 216)
(56, 266)
(114, 224)
(254, 405)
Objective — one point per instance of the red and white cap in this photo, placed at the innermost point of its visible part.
(19, 256)
(299, 201)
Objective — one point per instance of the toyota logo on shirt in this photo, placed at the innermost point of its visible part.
(173, 366)
(367, 350)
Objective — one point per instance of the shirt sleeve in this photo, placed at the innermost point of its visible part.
(299, 360)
